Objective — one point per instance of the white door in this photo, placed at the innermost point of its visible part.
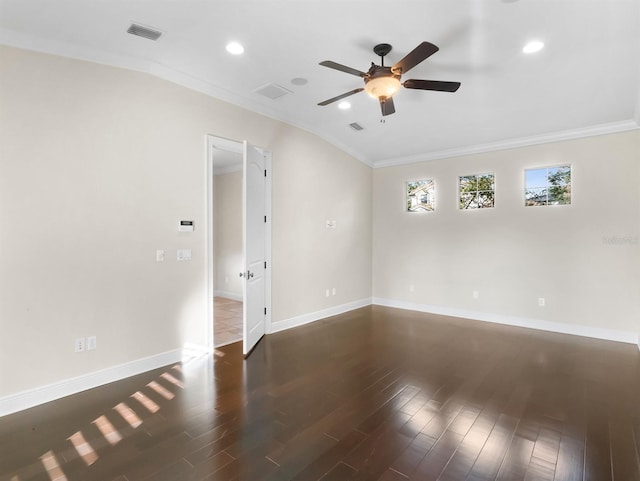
(253, 212)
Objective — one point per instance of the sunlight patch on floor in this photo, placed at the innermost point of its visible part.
(172, 380)
(128, 415)
(51, 465)
(160, 389)
(146, 401)
(84, 449)
(108, 430)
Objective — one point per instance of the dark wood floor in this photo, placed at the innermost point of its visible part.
(375, 394)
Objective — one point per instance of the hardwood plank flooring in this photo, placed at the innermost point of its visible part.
(373, 394)
(227, 324)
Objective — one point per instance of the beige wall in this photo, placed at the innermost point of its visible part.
(315, 188)
(227, 231)
(97, 166)
(512, 254)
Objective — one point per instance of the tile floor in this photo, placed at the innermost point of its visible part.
(227, 321)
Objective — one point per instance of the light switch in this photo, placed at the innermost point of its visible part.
(184, 254)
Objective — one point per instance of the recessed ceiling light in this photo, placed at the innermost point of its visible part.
(344, 105)
(235, 48)
(533, 47)
(299, 81)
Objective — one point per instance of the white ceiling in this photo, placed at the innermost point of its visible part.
(585, 81)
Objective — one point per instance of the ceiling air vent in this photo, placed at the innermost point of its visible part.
(144, 32)
(272, 91)
(356, 126)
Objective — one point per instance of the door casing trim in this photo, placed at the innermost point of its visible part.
(215, 142)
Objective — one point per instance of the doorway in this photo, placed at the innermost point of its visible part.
(227, 246)
(232, 206)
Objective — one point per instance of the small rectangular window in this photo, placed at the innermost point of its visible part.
(421, 196)
(476, 191)
(548, 186)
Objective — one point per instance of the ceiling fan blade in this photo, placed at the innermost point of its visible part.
(342, 68)
(387, 106)
(431, 85)
(339, 97)
(413, 58)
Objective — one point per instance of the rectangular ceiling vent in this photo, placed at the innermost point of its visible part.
(144, 32)
(356, 126)
(272, 91)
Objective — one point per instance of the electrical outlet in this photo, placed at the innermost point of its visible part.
(476, 294)
(333, 291)
(91, 343)
(80, 344)
(160, 255)
(412, 288)
(541, 301)
(327, 293)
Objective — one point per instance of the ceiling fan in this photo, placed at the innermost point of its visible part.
(382, 82)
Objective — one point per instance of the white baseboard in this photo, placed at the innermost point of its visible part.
(40, 395)
(316, 316)
(34, 397)
(574, 329)
(228, 295)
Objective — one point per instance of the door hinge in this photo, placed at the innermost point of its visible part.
(265, 264)
(265, 218)
(265, 311)
(265, 172)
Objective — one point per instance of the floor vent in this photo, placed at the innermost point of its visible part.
(272, 91)
(144, 32)
(356, 126)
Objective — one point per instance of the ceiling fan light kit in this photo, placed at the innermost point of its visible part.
(382, 83)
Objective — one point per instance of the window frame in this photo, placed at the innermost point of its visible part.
(407, 197)
(546, 187)
(483, 174)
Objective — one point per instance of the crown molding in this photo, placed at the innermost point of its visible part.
(29, 42)
(20, 40)
(592, 131)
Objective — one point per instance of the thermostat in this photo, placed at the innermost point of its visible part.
(185, 226)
